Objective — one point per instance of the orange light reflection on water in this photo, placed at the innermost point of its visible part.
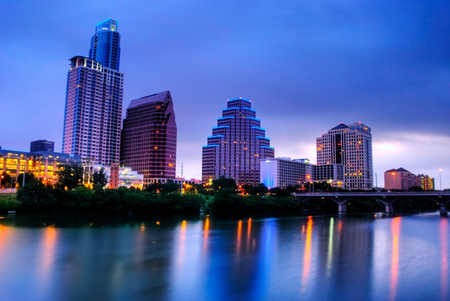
(239, 232)
(444, 261)
(307, 254)
(395, 251)
(205, 233)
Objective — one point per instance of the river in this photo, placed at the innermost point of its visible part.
(361, 257)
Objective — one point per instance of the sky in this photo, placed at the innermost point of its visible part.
(306, 65)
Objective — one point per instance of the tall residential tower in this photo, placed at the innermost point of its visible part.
(351, 146)
(149, 138)
(94, 97)
(237, 144)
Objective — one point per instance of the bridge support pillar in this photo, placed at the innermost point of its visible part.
(443, 209)
(389, 208)
(342, 206)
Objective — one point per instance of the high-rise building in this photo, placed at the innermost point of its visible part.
(94, 97)
(105, 44)
(149, 137)
(42, 146)
(236, 146)
(351, 146)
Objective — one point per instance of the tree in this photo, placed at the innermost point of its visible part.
(415, 188)
(28, 177)
(69, 175)
(224, 183)
(99, 179)
(260, 189)
(5, 180)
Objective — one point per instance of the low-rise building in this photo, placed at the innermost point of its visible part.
(283, 172)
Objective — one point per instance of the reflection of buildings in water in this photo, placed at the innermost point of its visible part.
(47, 258)
(341, 239)
(444, 257)
(307, 254)
(395, 251)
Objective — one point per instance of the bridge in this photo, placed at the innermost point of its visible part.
(387, 198)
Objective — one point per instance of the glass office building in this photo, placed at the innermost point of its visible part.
(94, 98)
(149, 137)
(236, 145)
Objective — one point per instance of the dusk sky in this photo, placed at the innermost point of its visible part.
(306, 65)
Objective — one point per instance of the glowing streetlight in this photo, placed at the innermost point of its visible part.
(393, 174)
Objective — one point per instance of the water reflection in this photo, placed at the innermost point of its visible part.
(307, 254)
(330, 247)
(395, 254)
(443, 227)
(314, 258)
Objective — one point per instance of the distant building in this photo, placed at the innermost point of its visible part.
(116, 176)
(425, 182)
(42, 146)
(334, 174)
(94, 97)
(42, 164)
(283, 172)
(350, 146)
(399, 179)
(237, 144)
(149, 138)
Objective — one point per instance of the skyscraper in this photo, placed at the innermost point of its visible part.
(351, 146)
(105, 44)
(149, 137)
(237, 144)
(94, 97)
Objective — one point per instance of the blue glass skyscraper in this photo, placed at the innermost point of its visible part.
(93, 112)
(105, 44)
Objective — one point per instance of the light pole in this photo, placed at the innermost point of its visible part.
(1, 178)
(440, 179)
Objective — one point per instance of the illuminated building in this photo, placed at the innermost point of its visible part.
(46, 163)
(399, 179)
(105, 44)
(236, 146)
(42, 146)
(149, 138)
(351, 146)
(283, 172)
(334, 174)
(93, 110)
(402, 179)
(42, 164)
(116, 176)
(425, 182)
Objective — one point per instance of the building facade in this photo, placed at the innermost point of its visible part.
(42, 146)
(149, 137)
(94, 97)
(42, 164)
(425, 182)
(334, 174)
(399, 179)
(237, 144)
(402, 179)
(283, 172)
(351, 146)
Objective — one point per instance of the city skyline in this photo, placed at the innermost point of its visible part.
(309, 66)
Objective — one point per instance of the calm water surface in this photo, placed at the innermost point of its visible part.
(364, 257)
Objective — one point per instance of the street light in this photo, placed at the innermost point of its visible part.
(440, 179)
(1, 178)
(393, 174)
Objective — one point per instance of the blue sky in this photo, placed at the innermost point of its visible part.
(306, 66)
